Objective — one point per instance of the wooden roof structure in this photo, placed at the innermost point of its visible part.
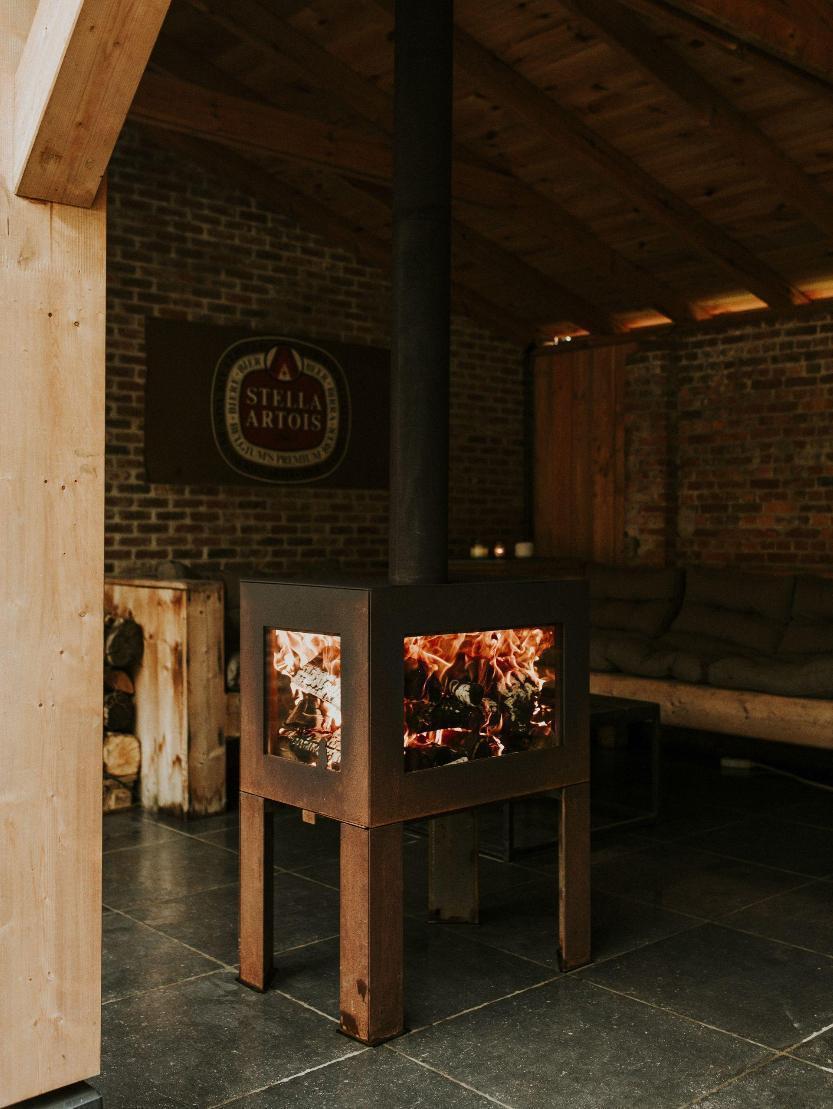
(618, 163)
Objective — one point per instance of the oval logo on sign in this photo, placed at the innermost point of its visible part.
(280, 409)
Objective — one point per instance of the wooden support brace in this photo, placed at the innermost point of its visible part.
(371, 987)
(453, 871)
(574, 877)
(256, 892)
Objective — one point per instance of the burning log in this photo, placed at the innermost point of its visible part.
(119, 711)
(123, 642)
(431, 716)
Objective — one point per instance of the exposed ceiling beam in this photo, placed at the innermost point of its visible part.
(338, 223)
(257, 128)
(261, 29)
(797, 32)
(742, 138)
(541, 113)
(77, 75)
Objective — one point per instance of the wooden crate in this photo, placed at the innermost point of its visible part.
(180, 706)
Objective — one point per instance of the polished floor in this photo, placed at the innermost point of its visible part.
(712, 980)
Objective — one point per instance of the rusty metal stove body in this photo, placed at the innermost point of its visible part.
(378, 704)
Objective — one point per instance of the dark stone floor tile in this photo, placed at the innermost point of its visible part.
(171, 868)
(198, 825)
(130, 828)
(571, 1044)
(205, 1041)
(783, 1084)
(788, 846)
(744, 984)
(304, 911)
(136, 958)
(604, 845)
(494, 876)
(754, 791)
(524, 922)
(677, 822)
(374, 1078)
(297, 844)
(444, 974)
(818, 1050)
(678, 877)
(802, 916)
(816, 809)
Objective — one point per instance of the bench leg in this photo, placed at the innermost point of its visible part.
(371, 961)
(256, 892)
(574, 877)
(453, 875)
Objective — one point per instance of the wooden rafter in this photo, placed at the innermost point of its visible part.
(79, 70)
(258, 129)
(742, 138)
(261, 29)
(336, 216)
(799, 33)
(496, 79)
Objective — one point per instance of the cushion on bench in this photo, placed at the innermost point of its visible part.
(633, 600)
(811, 676)
(746, 611)
(810, 630)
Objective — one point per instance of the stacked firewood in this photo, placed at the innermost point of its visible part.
(123, 646)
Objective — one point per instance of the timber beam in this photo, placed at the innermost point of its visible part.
(542, 114)
(261, 29)
(741, 137)
(80, 67)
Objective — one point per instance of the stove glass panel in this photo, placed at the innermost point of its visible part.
(303, 697)
(483, 694)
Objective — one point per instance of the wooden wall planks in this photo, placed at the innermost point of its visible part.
(52, 288)
(579, 484)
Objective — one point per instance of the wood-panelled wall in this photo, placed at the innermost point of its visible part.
(579, 478)
(52, 284)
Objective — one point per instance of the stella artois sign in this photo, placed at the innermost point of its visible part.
(228, 406)
(280, 405)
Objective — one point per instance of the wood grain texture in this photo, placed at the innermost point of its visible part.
(371, 963)
(80, 68)
(52, 290)
(579, 479)
(805, 721)
(180, 702)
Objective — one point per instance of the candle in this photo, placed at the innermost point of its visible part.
(479, 550)
(499, 551)
(524, 549)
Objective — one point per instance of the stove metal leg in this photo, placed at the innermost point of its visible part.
(574, 877)
(453, 871)
(256, 892)
(371, 989)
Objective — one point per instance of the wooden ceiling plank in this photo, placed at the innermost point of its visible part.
(538, 110)
(251, 22)
(77, 75)
(793, 32)
(742, 137)
(337, 225)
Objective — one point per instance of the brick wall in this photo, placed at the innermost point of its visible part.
(182, 245)
(729, 440)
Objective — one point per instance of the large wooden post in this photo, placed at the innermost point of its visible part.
(52, 278)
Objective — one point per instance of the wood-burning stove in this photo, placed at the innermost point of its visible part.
(377, 704)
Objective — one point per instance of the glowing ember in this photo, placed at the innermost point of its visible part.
(468, 695)
(304, 696)
(476, 695)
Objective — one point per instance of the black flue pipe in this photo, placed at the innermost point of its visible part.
(421, 291)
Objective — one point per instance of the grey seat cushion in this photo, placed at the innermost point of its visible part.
(745, 611)
(640, 656)
(633, 599)
(811, 676)
(810, 630)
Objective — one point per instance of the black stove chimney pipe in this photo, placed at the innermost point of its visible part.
(421, 291)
